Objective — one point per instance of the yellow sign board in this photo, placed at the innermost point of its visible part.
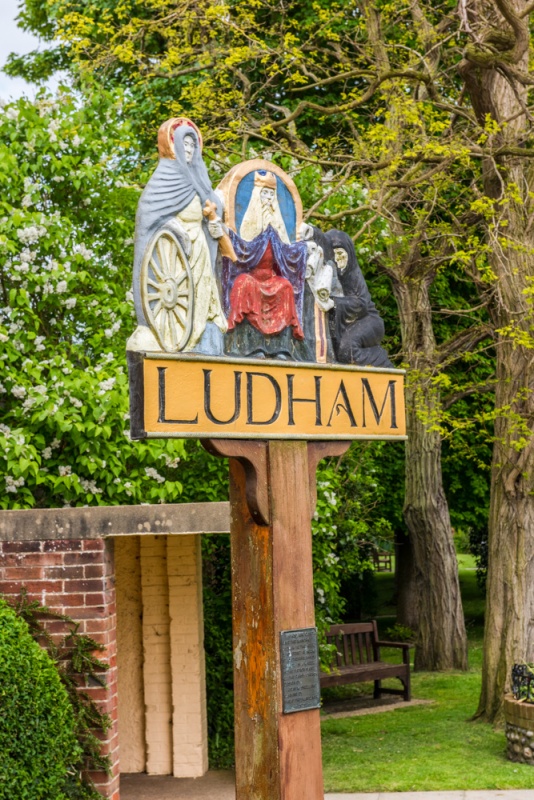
(205, 397)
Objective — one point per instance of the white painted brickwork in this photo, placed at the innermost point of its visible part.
(184, 569)
(161, 576)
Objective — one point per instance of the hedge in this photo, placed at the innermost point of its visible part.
(39, 754)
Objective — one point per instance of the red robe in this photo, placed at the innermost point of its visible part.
(265, 298)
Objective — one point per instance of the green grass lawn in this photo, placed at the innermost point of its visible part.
(424, 748)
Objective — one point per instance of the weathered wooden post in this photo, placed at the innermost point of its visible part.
(239, 352)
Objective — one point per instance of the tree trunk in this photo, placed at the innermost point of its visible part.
(406, 582)
(509, 629)
(441, 641)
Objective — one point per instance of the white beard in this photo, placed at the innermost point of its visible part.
(259, 215)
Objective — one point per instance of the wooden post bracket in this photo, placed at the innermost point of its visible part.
(254, 455)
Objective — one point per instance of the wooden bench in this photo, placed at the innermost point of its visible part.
(382, 561)
(357, 659)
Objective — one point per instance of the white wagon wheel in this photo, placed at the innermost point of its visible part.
(167, 291)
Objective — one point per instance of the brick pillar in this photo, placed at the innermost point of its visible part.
(74, 577)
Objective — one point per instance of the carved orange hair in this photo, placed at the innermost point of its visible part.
(166, 135)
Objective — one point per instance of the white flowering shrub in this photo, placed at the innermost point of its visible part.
(67, 211)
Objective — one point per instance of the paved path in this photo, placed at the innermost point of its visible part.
(220, 786)
(481, 794)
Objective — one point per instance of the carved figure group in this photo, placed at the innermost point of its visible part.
(234, 271)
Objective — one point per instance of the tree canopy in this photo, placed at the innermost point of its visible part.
(408, 123)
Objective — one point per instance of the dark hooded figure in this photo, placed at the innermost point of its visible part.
(358, 328)
(178, 190)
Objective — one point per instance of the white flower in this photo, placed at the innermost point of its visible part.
(170, 462)
(87, 162)
(70, 302)
(5, 429)
(47, 452)
(84, 252)
(19, 391)
(2, 388)
(27, 201)
(106, 386)
(76, 141)
(89, 486)
(12, 113)
(61, 287)
(12, 484)
(152, 473)
(63, 471)
(31, 234)
(3, 337)
(38, 343)
(109, 332)
(26, 255)
(129, 296)
(55, 444)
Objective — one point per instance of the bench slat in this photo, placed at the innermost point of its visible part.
(353, 648)
(360, 647)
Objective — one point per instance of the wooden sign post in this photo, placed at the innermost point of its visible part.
(272, 496)
(267, 349)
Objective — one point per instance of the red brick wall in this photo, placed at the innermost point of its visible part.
(75, 577)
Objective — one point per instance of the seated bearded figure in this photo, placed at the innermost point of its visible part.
(264, 288)
(265, 298)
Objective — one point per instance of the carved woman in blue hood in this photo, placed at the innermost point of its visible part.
(178, 189)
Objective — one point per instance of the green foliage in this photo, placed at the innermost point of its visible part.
(351, 520)
(74, 656)
(400, 633)
(216, 580)
(478, 546)
(40, 757)
(67, 210)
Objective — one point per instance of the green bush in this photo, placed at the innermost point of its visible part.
(39, 754)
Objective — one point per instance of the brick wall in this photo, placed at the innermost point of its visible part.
(74, 577)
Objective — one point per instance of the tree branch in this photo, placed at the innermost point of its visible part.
(463, 341)
(479, 388)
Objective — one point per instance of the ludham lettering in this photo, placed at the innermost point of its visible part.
(197, 397)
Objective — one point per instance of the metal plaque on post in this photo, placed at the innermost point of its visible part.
(299, 657)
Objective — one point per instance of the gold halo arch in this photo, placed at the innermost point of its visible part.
(229, 184)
